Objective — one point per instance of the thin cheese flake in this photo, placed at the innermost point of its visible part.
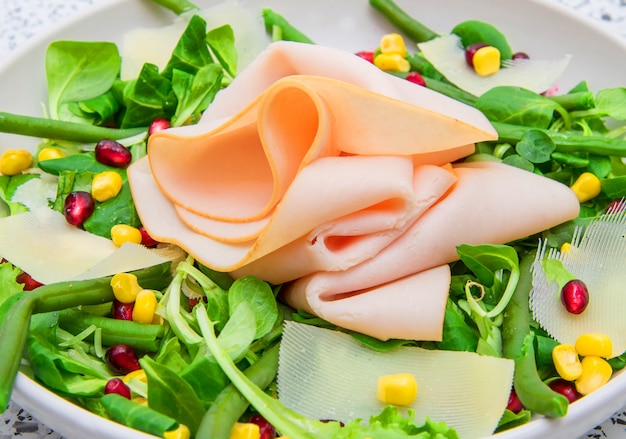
(447, 55)
(596, 257)
(43, 244)
(339, 377)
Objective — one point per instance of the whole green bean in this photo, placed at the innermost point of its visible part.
(61, 130)
(138, 335)
(413, 29)
(55, 297)
(178, 6)
(272, 19)
(229, 405)
(565, 141)
(517, 344)
(137, 416)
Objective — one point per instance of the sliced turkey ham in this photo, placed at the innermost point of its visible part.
(315, 168)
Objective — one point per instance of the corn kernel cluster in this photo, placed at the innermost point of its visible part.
(126, 289)
(391, 56)
(584, 363)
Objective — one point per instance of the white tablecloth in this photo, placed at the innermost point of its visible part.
(21, 19)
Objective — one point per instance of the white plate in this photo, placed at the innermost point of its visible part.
(542, 29)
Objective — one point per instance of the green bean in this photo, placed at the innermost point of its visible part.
(288, 32)
(177, 6)
(61, 130)
(137, 416)
(230, 405)
(55, 297)
(413, 29)
(582, 100)
(138, 335)
(517, 344)
(566, 141)
(451, 90)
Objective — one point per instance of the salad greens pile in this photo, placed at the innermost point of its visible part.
(213, 361)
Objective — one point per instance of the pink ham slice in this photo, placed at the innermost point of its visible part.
(327, 204)
(491, 203)
(225, 181)
(315, 168)
(411, 307)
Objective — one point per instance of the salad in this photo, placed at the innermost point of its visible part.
(214, 345)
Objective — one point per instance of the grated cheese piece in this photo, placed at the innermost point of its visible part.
(339, 377)
(448, 56)
(596, 256)
(45, 246)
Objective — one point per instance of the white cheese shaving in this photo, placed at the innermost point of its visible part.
(448, 56)
(597, 258)
(338, 377)
(37, 192)
(44, 245)
(156, 45)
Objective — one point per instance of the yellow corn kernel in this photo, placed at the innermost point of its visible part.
(393, 43)
(145, 306)
(566, 247)
(586, 187)
(599, 345)
(122, 233)
(125, 287)
(596, 373)
(50, 153)
(15, 161)
(138, 374)
(245, 430)
(392, 62)
(566, 361)
(182, 432)
(399, 389)
(106, 185)
(486, 61)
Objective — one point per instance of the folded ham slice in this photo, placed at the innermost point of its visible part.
(246, 180)
(490, 203)
(316, 168)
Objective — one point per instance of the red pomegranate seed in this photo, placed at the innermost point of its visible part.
(146, 239)
(122, 311)
(575, 296)
(520, 55)
(616, 206)
(78, 207)
(157, 125)
(416, 78)
(514, 404)
(112, 153)
(29, 283)
(122, 358)
(366, 55)
(267, 430)
(565, 388)
(116, 385)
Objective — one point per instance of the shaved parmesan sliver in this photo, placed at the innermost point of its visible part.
(44, 245)
(448, 56)
(37, 192)
(156, 45)
(597, 258)
(339, 376)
